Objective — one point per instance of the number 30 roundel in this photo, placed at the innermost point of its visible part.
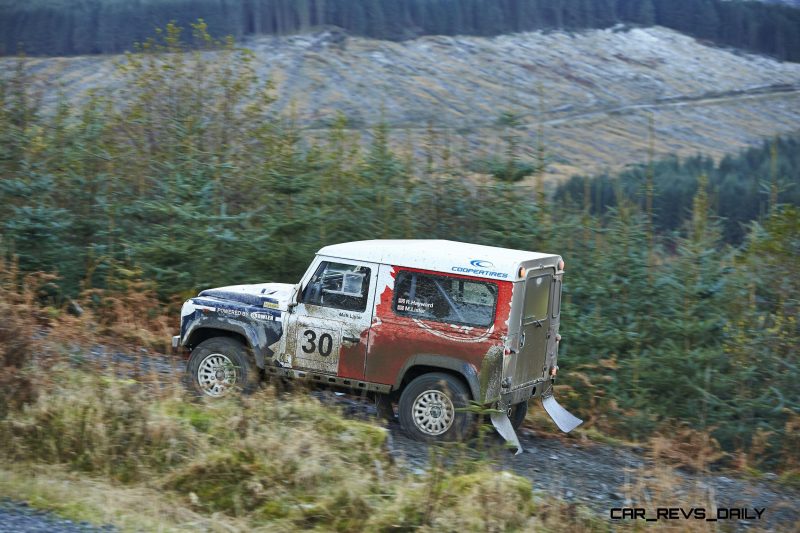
(324, 345)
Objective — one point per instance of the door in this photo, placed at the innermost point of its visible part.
(329, 329)
(534, 331)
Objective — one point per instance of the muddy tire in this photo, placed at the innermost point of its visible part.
(517, 414)
(429, 408)
(219, 366)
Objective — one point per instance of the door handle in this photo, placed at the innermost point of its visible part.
(354, 340)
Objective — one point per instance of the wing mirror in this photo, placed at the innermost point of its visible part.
(294, 301)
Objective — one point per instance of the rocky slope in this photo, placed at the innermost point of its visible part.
(590, 93)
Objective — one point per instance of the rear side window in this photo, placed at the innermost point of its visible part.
(445, 299)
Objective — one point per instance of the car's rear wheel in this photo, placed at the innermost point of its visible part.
(430, 408)
(221, 365)
(517, 414)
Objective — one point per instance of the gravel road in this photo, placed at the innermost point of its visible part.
(20, 517)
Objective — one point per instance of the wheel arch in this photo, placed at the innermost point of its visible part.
(428, 363)
(205, 332)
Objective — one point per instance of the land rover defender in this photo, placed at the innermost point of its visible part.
(428, 325)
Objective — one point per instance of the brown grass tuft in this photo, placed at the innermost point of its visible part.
(685, 447)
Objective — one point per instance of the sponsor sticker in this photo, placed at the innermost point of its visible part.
(232, 312)
(479, 272)
(481, 263)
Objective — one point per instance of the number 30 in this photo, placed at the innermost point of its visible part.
(325, 343)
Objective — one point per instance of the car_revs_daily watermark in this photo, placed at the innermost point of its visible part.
(691, 513)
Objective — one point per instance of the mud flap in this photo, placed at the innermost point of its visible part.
(503, 426)
(565, 420)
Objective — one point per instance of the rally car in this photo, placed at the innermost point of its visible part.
(428, 326)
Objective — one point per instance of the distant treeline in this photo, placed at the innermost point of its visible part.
(741, 187)
(60, 27)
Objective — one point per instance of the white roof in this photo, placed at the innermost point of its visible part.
(442, 256)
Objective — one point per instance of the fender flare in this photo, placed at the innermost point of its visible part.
(445, 362)
(248, 331)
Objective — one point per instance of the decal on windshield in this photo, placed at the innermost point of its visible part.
(413, 306)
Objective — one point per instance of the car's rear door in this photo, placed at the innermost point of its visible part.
(529, 363)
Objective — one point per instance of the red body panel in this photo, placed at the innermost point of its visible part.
(351, 358)
(394, 339)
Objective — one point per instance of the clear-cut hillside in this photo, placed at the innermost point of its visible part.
(592, 92)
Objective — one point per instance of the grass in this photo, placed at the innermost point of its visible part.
(262, 461)
(99, 501)
(106, 450)
(790, 479)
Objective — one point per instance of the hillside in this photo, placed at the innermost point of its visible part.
(596, 90)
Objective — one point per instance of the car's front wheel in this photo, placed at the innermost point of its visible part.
(431, 408)
(220, 365)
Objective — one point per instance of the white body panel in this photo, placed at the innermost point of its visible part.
(440, 256)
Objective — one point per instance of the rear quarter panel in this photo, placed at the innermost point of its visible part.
(395, 340)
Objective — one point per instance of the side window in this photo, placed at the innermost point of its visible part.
(445, 299)
(338, 285)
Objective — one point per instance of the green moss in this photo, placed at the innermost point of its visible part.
(198, 417)
(597, 436)
(273, 509)
(790, 479)
(219, 482)
(513, 485)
